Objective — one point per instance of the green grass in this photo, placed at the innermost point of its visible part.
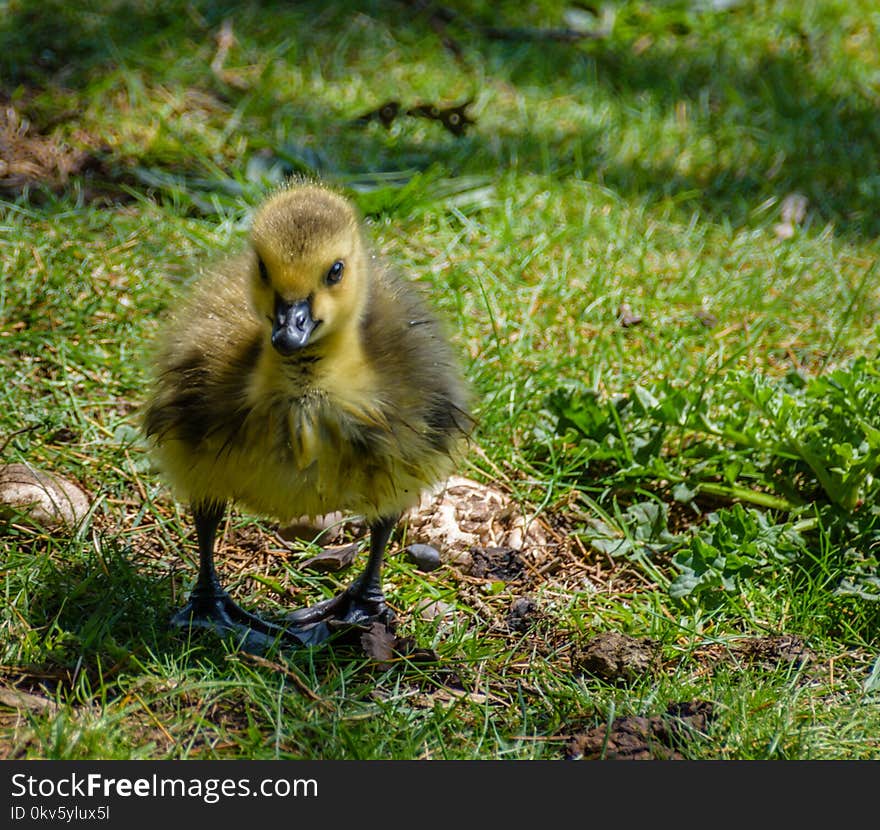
(645, 168)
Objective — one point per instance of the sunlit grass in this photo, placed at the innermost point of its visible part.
(640, 174)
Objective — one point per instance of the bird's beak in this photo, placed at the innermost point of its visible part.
(292, 327)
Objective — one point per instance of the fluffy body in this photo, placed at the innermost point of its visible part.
(360, 420)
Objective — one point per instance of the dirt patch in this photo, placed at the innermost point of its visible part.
(769, 652)
(617, 657)
(247, 543)
(523, 615)
(644, 739)
(380, 642)
(505, 564)
(482, 534)
(456, 516)
(763, 652)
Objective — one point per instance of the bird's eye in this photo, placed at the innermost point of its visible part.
(264, 271)
(335, 272)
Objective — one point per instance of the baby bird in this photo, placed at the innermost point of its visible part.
(303, 377)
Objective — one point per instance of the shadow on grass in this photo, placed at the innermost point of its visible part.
(772, 122)
(98, 612)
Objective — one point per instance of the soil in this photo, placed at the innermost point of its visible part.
(764, 652)
(616, 657)
(643, 739)
(770, 652)
(523, 614)
(503, 564)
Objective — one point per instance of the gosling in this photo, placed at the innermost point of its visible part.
(303, 377)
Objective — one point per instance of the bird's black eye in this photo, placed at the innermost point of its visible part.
(264, 271)
(335, 272)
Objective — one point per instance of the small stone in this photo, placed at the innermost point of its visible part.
(784, 230)
(40, 498)
(424, 557)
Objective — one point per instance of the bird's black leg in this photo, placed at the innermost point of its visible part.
(362, 602)
(209, 606)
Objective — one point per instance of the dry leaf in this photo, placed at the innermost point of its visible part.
(328, 526)
(331, 559)
(378, 642)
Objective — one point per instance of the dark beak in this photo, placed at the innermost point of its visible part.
(292, 326)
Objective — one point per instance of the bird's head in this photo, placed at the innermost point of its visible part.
(309, 267)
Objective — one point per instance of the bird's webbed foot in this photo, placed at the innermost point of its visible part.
(357, 606)
(217, 612)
